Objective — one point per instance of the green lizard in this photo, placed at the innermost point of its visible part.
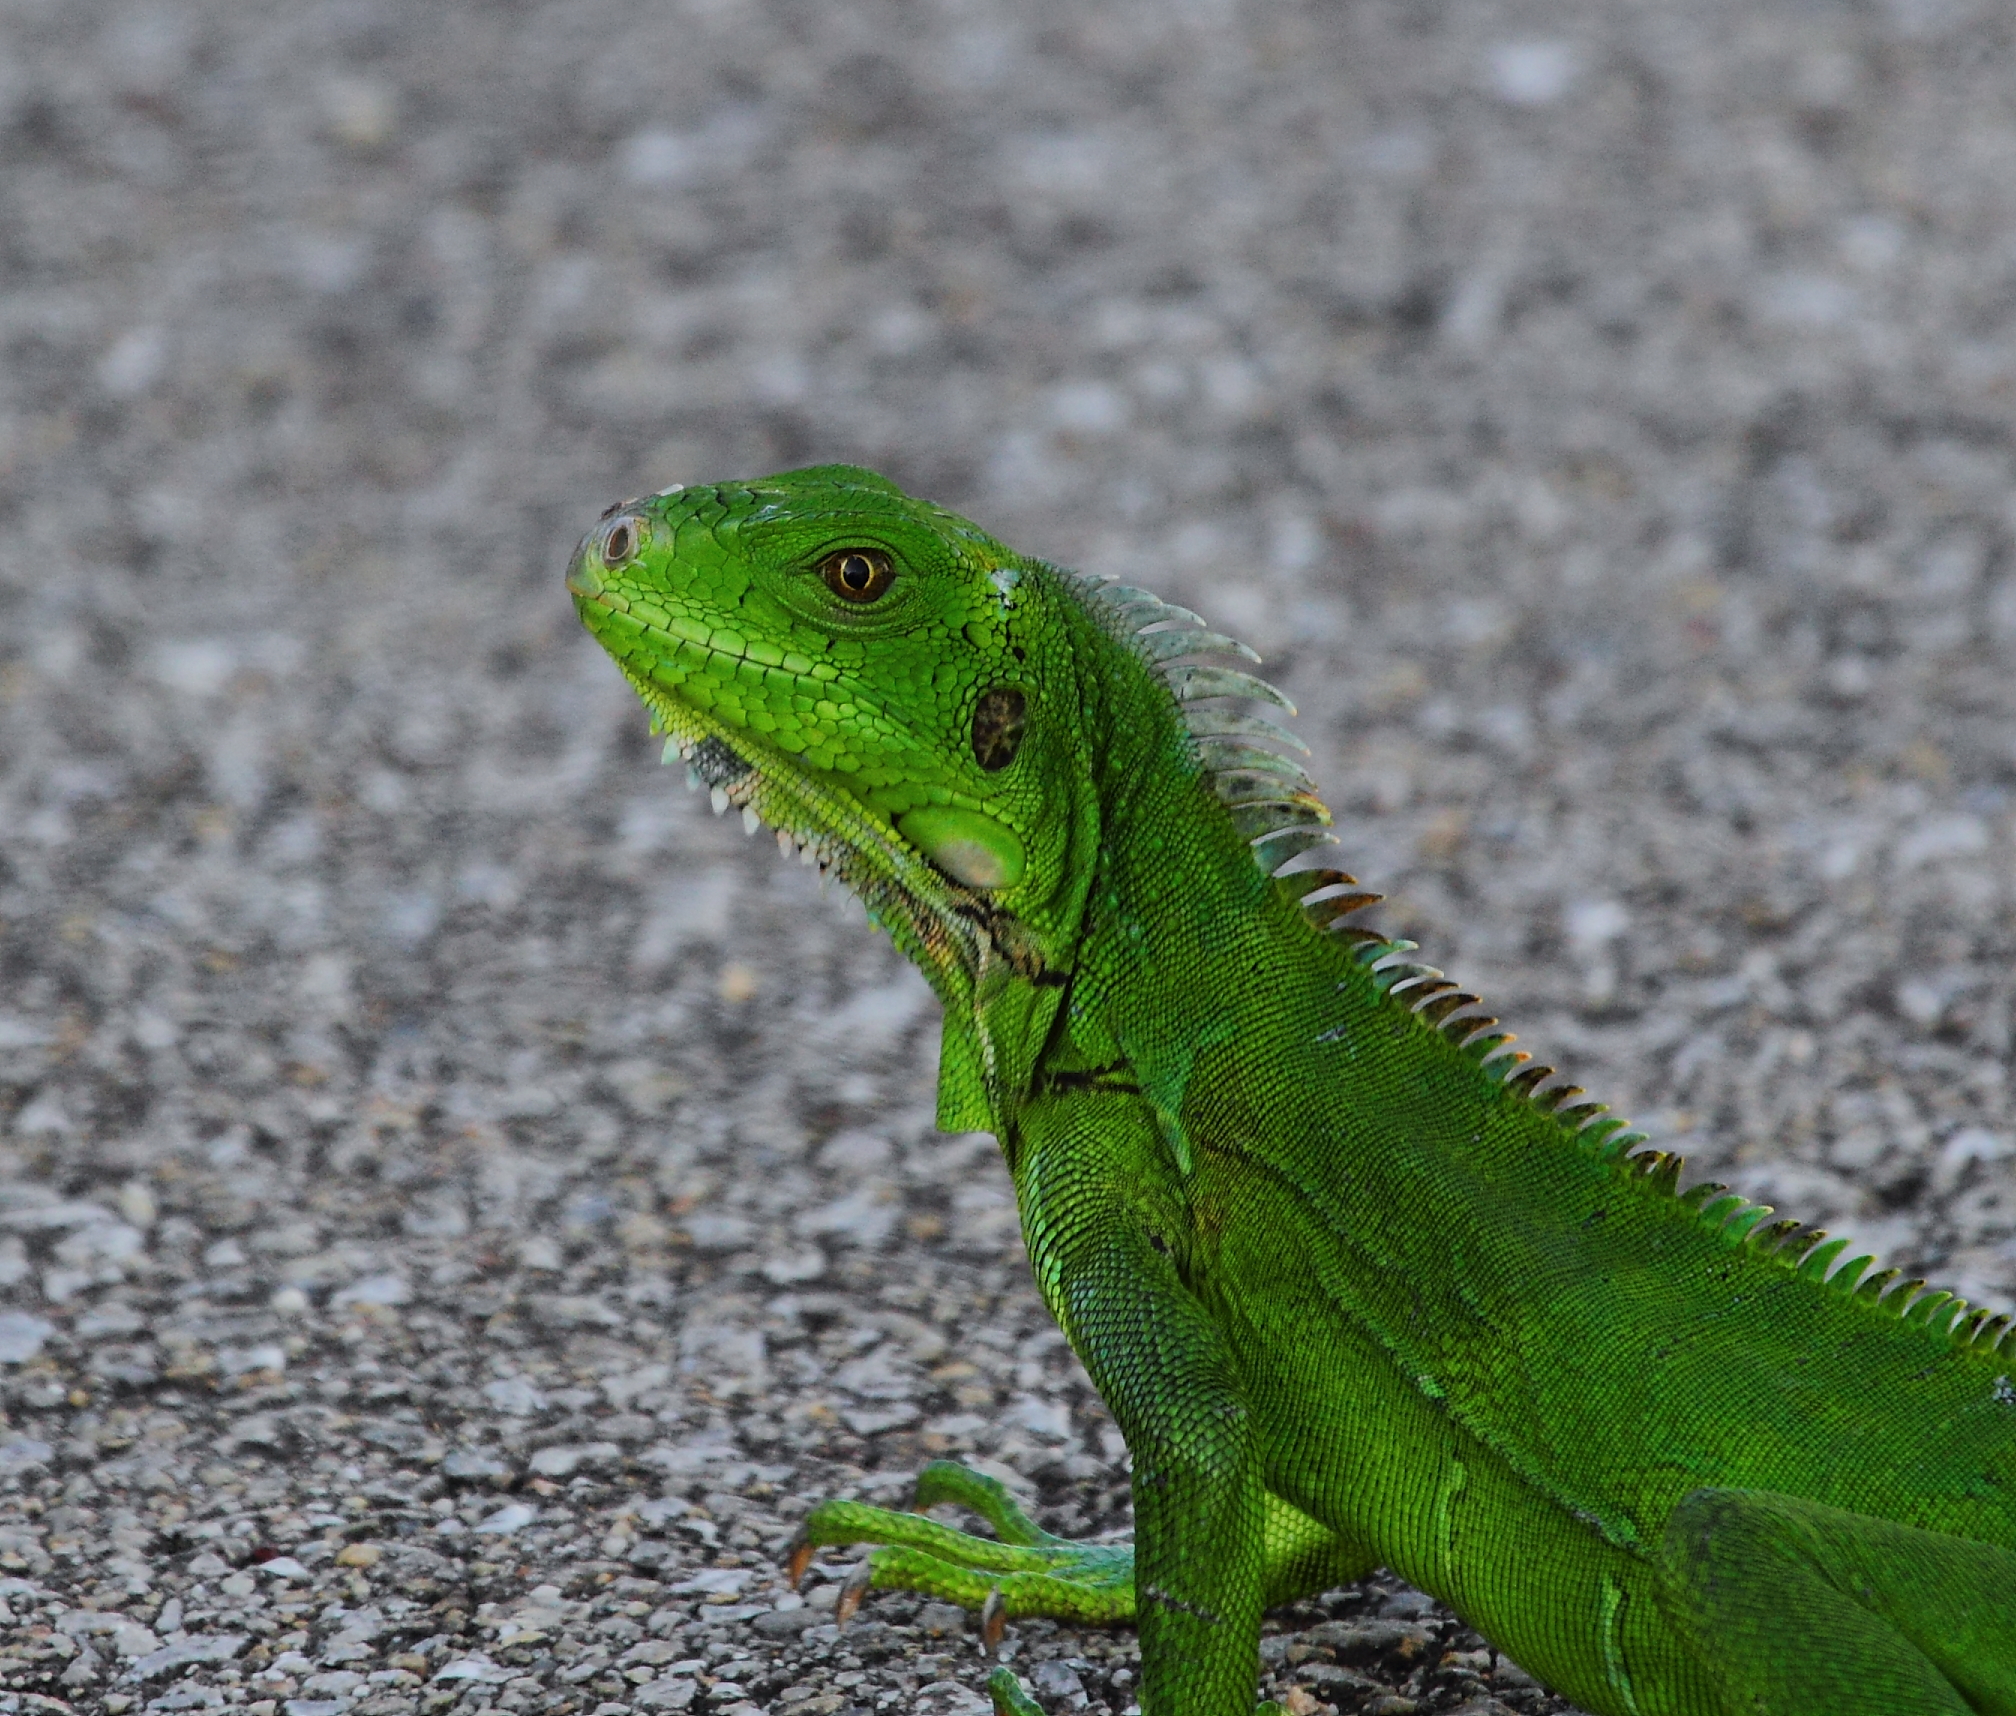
(1359, 1285)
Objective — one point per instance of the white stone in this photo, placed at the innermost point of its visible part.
(513, 1516)
(1533, 73)
(21, 1336)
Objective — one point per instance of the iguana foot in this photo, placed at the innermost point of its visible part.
(1022, 1570)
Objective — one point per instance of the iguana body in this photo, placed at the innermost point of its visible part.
(1358, 1287)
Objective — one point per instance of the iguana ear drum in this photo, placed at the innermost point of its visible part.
(997, 727)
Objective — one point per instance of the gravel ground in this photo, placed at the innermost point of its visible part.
(459, 1202)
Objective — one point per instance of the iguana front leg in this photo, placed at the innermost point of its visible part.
(1167, 1376)
(1211, 1547)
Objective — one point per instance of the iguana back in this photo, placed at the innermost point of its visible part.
(1513, 1247)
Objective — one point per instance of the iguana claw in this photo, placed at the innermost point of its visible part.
(797, 1558)
(993, 1621)
(852, 1590)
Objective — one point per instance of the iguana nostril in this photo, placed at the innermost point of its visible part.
(621, 540)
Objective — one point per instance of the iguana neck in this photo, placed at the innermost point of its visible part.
(1178, 911)
(1160, 916)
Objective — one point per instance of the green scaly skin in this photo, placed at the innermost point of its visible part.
(1358, 1288)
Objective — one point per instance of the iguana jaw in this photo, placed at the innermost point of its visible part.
(951, 931)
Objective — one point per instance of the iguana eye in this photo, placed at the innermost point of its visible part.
(621, 540)
(857, 574)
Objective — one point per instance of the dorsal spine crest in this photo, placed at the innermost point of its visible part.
(1244, 759)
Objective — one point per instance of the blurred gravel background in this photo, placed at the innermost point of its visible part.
(460, 1203)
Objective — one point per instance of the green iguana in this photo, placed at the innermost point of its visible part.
(1360, 1285)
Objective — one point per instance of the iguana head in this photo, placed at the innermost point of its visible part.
(880, 682)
